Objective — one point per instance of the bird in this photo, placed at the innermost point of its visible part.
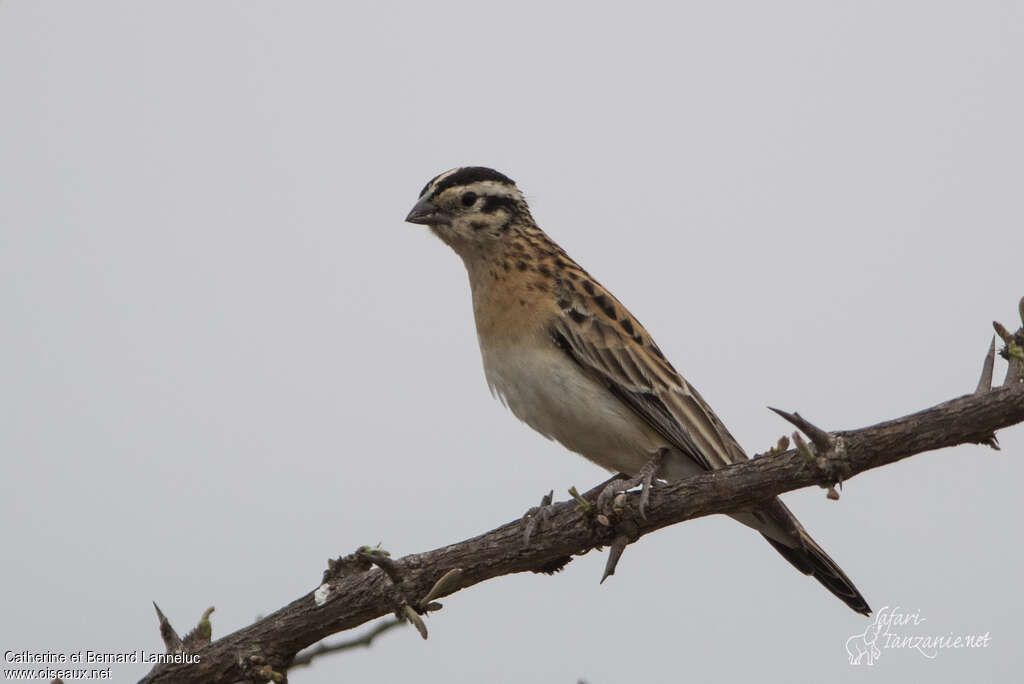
(569, 360)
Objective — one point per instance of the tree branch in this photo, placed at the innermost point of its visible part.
(353, 595)
(368, 584)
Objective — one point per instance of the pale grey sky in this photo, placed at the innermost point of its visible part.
(226, 358)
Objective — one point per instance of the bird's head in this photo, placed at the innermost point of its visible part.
(471, 208)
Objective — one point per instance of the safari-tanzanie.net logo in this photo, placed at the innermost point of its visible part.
(896, 629)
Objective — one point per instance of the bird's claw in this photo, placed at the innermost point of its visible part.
(611, 499)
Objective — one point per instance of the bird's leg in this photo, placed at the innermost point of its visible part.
(644, 478)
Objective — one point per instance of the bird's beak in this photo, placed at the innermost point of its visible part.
(427, 214)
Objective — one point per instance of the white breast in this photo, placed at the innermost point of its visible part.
(547, 391)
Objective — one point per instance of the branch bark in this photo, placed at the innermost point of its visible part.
(355, 591)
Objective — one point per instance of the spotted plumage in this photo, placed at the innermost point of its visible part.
(568, 358)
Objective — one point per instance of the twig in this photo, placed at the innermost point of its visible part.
(363, 596)
(306, 657)
(500, 552)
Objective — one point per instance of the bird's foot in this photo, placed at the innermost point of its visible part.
(644, 479)
(587, 501)
(537, 517)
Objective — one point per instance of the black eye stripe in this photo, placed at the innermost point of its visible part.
(493, 203)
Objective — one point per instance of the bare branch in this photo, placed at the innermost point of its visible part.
(365, 593)
(368, 583)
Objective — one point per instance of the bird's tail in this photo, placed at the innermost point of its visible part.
(780, 527)
(810, 559)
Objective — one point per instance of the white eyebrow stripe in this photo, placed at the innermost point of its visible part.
(432, 186)
(437, 181)
(487, 187)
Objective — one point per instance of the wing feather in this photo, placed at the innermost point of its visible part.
(633, 369)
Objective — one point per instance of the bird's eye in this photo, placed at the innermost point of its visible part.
(469, 199)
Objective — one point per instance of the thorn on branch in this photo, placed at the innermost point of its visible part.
(820, 438)
(985, 382)
(170, 638)
(991, 441)
(1003, 333)
(614, 554)
(1013, 352)
(627, 532)
(985, 385)
(825, 444)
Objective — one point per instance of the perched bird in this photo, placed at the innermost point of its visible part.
(571, 362)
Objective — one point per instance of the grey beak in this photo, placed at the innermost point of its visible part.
(427, 214)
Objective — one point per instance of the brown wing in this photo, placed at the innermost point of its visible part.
(610, 345)
(601, 335)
